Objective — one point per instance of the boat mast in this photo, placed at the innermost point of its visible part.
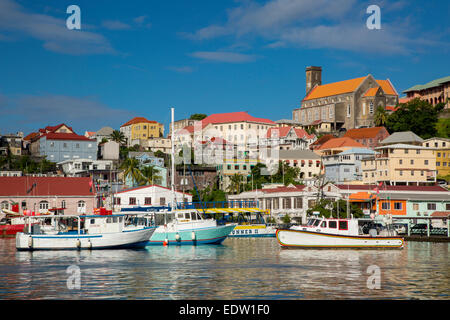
(173, 204)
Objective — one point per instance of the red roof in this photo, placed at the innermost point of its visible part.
(137, 120)
(151, 185)
(391, 108)
(440, 214)
(364, 133)
(65, 136)
(282, 189)
(283, 131)
(31, 136)
(241, 116)
(340, 142)
(391, 188)
(45, 186)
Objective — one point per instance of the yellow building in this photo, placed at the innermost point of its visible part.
(400, 164)
(139, 128)
(441, 149)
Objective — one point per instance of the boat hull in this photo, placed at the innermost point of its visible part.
(118, 240)
(210, 235)
(308, 239)
(253, 231)
(10, 230)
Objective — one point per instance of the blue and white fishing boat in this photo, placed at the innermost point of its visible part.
(188, 227)
(62, 232)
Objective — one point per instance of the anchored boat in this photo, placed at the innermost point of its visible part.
(336, 233)
(84, 232)
(188, 227)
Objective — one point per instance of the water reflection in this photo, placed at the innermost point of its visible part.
(237, 269)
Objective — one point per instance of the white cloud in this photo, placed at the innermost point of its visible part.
(115, 25)
(337, 24)
(52, 31)
(222, 56)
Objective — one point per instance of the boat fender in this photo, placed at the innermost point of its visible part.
(166, 242)
(90, 244)
(193, 235)
(177, 237)
(30, 242)
(78, 243)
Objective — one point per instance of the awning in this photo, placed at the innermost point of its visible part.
(440, 214)
(362, 197)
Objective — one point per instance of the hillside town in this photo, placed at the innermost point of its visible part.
(354, 140)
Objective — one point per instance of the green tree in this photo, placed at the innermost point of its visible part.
(197, 116)
(328, 208)
(443, 128)
(118, 137)
(381, 116)
(417, 116)
(235, 181)
(286, 219)
(131, 169)
(149, 175)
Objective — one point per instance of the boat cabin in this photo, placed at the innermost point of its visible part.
(109, 224)
(331, 226)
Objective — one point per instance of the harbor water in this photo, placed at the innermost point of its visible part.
(237, 269)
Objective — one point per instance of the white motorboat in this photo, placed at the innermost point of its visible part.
(84, 232)
(336, 233)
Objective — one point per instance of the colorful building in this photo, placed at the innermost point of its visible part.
(441, 149)
(140, 129)
(369, 137)
(435, 91)
(345, 104)
(400, 164)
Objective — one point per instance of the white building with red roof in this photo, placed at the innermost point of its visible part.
(150, 195)
(60, 143)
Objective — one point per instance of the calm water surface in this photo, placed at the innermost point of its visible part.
(237, 269)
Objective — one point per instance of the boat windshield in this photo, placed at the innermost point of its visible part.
(311, 222)
(316, 223)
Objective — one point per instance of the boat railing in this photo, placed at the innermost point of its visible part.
(218, 204)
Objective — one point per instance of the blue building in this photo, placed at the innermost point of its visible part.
(60, 143)
(345, 166)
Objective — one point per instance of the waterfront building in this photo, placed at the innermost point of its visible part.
(400, 164)
(241, 166)
(150, 195)
(434, 92)
(146, 158)
(103, 133)
(293, 200)
(140, 129)
(60, 143)
(10, 173)
(344, 104)
(369, 137)
(400, 201)
(337, 145)
(46, 194)
(441, 149)
(345, 166)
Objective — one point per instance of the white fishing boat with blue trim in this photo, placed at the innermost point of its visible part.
(63, 232)
(188, 227)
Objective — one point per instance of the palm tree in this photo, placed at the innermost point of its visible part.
(118, 137)
(235, 181)
(149, 175)
(131, 169)
(380, 116)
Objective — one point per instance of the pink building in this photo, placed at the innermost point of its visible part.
(434, 92)
(46, 194)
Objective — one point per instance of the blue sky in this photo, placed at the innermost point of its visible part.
(139, 58)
